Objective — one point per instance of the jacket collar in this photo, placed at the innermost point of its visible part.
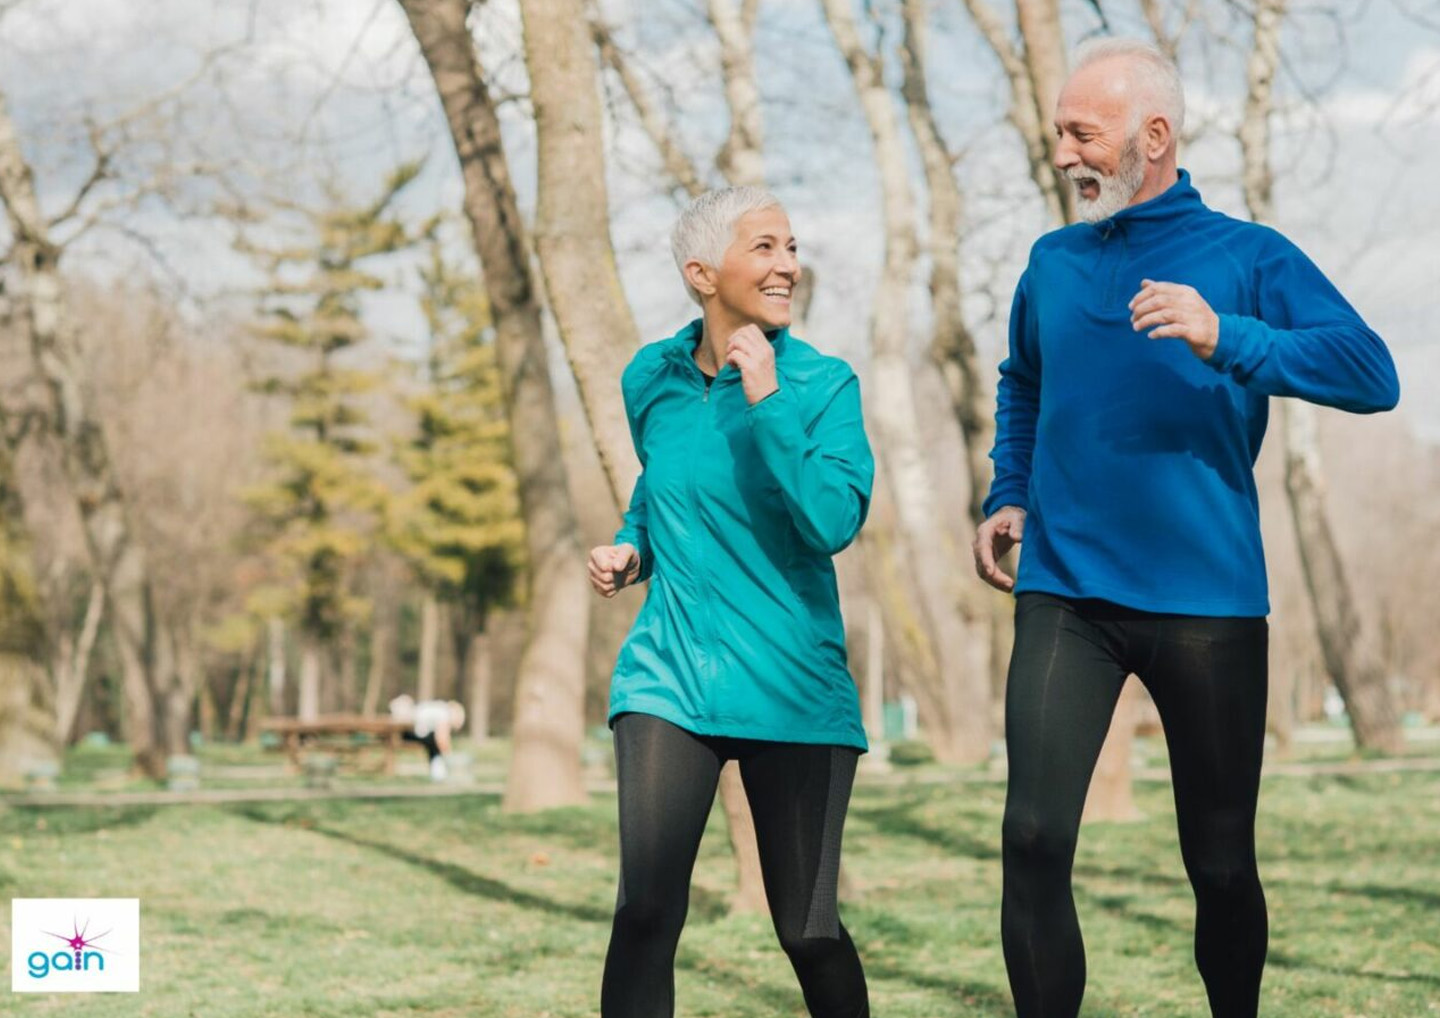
(680, 348)
(1179, 199)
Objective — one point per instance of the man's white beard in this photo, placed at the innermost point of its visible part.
(1116, 189)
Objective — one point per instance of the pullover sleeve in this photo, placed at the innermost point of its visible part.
(825, 470)
(1017, 408)
(635, 528)
(1305, 341)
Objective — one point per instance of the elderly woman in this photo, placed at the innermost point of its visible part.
(756, 471)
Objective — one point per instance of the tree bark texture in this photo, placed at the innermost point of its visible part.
(545, 768)
(1348, 647)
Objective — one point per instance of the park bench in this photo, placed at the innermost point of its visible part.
(341, 734)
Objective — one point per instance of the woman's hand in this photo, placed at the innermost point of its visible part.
(613, 566)
(753, 356)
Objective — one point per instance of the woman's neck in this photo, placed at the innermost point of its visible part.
(719, 327)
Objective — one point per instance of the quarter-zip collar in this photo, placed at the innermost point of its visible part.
(680, 348)
(1179, 200)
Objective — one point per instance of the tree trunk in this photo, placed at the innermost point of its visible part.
(545, 767)
(952, 346)
(349, 672)
(741, 159)
(238, 716)
(872, 700)
(1028, 112)
(1349, 649)
(572, 226)
(114, 550)
(750, 884)
(72, 666)
(677, 164)
(275, 665)
(311, 652)
(429, 644)
(1045, 64)
(383, 640)
(1112, 796)
(478, 670)
(27, 709)
(962, 733)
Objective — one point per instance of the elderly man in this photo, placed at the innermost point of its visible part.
(1145, 343)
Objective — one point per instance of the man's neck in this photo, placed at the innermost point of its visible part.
(1157, 182)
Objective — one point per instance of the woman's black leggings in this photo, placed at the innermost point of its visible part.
(798, 795)
(1208, 678)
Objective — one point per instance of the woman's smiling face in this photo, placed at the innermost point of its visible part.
(755, 280)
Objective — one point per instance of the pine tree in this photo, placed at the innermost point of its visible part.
(320, 513)
(459, 524)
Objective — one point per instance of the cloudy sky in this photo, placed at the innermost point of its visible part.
(287, 96)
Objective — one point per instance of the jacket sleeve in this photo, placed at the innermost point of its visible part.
(1017, 408)
(1306, 340)
(635, 528)
(825, 471)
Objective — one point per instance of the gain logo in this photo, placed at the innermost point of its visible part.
(75, 945)
(81, 956)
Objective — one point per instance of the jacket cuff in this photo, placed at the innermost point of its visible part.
(1237, 343)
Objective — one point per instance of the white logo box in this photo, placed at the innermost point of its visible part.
(75, 945)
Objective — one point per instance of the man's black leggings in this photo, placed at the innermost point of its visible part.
(1208, 678)
(798, 794)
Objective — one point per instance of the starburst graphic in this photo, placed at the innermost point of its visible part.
(79, 941)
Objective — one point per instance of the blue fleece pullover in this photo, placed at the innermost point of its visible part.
(1134, 459)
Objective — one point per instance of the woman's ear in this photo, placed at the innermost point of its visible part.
(700, 277)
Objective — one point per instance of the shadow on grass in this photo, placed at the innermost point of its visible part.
(458, 877)
(1280, 960)
(971, 998)
(899, 820)
(70, 820)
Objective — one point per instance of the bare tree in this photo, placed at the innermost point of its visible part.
(958, 666)
(952, 346)
(1348, 647)
(1035, 72)
(27, 712)
(545, 766)
(572, 227)
(68, 414)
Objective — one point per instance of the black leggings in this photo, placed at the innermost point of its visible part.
(1208, 678)
(798, 795)
(431, 744)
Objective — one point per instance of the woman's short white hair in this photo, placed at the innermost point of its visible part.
(706, 229)
(1155, 86)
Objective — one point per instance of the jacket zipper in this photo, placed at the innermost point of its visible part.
(708, 667)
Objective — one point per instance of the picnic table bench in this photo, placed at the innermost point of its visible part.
(338, 732)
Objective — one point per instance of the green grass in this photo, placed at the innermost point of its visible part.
(448, 908)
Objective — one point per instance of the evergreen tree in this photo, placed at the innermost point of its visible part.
(459, 524)
(321, 511)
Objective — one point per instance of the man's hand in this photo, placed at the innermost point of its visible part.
(1002, 531)
(613, 566)
(753, 356)
(1173, 310)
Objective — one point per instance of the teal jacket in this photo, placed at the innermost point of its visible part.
(736, 515)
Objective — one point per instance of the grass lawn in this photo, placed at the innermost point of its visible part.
(446, 907)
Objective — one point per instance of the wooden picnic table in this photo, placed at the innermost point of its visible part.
(337, 731)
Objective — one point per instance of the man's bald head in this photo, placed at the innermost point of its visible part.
(1135, 72)
(1116, 124)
